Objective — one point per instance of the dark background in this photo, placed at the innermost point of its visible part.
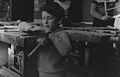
(22, 10)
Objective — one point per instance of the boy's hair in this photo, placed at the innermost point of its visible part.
(54, 9)
(62, 0)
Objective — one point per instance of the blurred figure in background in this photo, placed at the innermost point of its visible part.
(99, 11)
(65, 4)
(102, 17)
(73, 12)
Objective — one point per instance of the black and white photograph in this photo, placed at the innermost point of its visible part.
(59, 38)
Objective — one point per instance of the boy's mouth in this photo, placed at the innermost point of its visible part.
(47, 26)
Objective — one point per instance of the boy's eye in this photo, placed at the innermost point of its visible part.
(51, 17)
(48, 18)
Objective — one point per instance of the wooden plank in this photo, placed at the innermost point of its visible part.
(24, 39)
(8, 73)
(17, 38)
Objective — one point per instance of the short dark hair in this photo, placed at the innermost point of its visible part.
(62, 0)
(54, 9)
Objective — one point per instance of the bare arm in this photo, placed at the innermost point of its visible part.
(93, 11)
(117, 9)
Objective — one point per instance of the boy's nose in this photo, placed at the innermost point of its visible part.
(46, 21)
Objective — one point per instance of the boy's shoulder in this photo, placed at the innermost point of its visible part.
(61, 32)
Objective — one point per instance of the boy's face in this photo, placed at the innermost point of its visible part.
(49, 21)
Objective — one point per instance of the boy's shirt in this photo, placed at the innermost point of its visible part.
(52, 56)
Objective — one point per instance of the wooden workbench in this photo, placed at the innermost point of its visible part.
(27, 43)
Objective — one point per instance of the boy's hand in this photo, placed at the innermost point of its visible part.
(104, 17)
(41, 40)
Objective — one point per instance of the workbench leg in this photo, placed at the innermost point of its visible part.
(114, 68)
(3, 53)
(86, 55)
